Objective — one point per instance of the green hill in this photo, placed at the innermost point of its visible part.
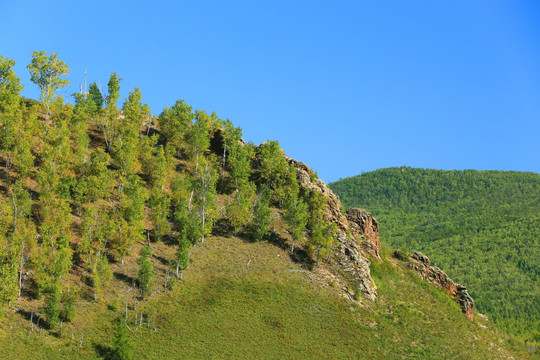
(125, 235)
(481, 227)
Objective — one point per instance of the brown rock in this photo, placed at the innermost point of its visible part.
(422, 265)
(363, 224)
(348, 255)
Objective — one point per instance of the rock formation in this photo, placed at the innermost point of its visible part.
(364, 226)
(422, 265)
(348, 254)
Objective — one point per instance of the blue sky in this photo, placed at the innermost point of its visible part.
(345, 86)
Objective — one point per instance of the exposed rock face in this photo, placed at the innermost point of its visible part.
(350, 257)
(422, 265)
(333, 210)
(363, 224)
(355, 264)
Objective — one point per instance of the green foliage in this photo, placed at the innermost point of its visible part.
(481, 227)
(199, 136)
(182, 254)
(95, 95)
(295, 217)
(205, 194)
(10, 87)
(240, 164)
(239, 210)
(272, 169)
(67, 314)
(47, 72)
(121, 346)
(145, 277)
(260, 222)
(102, 275)
(51, 307)
(174, 124)
(159, 204)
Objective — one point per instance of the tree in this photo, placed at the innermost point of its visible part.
(321, 232)
(121, 346)
(95, 95)
(15, 141)
(159, 204)
(51, 307)
(174, 124)
(295, 216)
(47, 72)
(83, 110)
(182, 254)
(199, 135)
(10, 87)
(146, 271)
(240, 208)
(273, 169)
(261, 214)
(231, 137)
(109, 122)
(240, 164)
(102, 275)
(206, 193)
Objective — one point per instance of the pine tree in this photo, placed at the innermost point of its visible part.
(95, 95)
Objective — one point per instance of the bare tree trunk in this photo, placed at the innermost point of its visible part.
(224, 156)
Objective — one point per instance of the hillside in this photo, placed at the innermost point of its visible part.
(128, 235)
(482, 227)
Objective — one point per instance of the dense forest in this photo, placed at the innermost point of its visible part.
(481, 227)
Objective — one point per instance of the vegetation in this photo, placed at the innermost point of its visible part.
(481, 227)
(97, 201)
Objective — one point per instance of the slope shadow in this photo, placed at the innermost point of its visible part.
(103, 351)
(35, 318)
(130, 280)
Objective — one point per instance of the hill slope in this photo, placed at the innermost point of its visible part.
(247, 300)
(481, 227)
(172, 237)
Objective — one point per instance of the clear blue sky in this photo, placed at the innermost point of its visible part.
(345, 86)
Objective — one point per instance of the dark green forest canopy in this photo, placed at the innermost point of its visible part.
(481, 227)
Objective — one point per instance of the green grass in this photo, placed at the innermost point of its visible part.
(227, 309)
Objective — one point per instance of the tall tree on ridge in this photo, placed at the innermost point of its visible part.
(47, 72)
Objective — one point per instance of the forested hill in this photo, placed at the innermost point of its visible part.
(481, 227)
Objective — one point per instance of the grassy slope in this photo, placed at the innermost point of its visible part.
(227, 309)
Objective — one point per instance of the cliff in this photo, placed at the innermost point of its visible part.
(358, 233)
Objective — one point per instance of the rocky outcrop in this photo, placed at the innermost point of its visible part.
(421, 264)
(366, 229)
(353, 262)
(348, 254)
(309, 181)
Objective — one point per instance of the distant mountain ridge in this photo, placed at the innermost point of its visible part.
(481, 227)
